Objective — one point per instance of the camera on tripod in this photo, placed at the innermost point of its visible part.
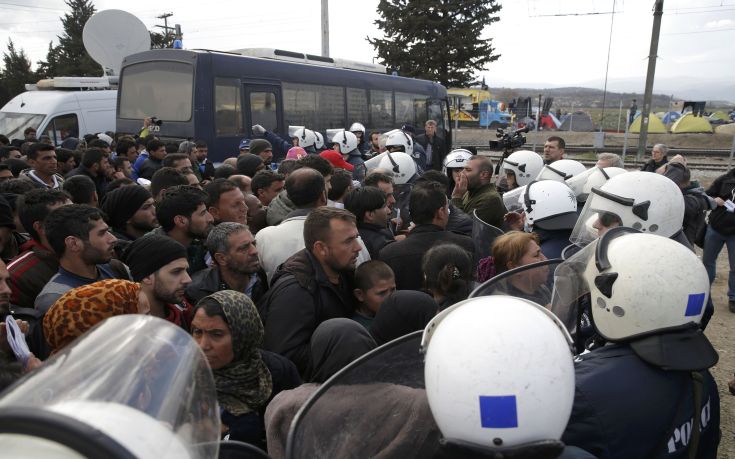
(509, 140)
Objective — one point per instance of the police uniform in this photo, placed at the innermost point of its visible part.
(626, 408)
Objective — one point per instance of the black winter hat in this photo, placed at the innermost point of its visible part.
(148, 254)
(122, 203)
(6, 213)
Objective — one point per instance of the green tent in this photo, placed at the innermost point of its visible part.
(655, 126)
(689, 123)
(719, 116)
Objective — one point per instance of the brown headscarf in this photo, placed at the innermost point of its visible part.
(80, 309)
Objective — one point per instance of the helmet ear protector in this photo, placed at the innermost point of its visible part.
(605, 280)
(396, 169)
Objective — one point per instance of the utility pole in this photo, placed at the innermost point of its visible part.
(165, 26)
(658, 11)
(325, 28)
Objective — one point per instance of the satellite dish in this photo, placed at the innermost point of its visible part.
(111, 35)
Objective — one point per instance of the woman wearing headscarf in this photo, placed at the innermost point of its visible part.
(403, 312)
(334, 344)
(81, 308)
(228, 329)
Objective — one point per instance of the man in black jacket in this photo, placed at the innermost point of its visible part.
(312, 286)
(430, 213)
(721, 230)
(434, 146)
(370, 206)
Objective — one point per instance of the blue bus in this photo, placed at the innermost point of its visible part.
(217, 96)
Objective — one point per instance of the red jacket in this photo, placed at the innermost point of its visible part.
(30, 271)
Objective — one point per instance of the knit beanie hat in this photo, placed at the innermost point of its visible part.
(148, 254)
(258, 145)
(6, 213)
(122, 203)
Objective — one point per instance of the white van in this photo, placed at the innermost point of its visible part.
(59, 113)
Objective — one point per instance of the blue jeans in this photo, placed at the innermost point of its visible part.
(713, 242)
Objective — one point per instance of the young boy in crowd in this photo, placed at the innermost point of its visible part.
(374, 282)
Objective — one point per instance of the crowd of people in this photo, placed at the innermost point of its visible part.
(296, 256)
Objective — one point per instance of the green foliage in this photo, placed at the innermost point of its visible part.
(15, 74)
(438, 40)
(69, 58)
(160, 41)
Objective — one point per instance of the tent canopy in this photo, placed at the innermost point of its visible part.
(655, 126)
(691, 124)
(578, 121)
(670, 117)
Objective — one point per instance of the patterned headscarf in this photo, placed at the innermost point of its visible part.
(80, 309)
(245, 384)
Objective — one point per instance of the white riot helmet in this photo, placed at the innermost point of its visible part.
(456, 159)
(357, 127)
(549, 205)
(402, 166)
(319, 142)
(561, 170)
(488, 385)
(346, 140)
(579, 183)
(399, 139)
(640, 200)
(525, 164)
(306, 137)
(599, 178)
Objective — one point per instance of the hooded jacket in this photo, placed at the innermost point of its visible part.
(279, 208)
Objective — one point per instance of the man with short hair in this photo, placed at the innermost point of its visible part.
(226, 202)
(179, 161)
(236, 266)
(243, 182)
(131, 212)
(121, 168)
(42, 158)
(183, 215)
(95, 165)
(156, 152)
(281, 205)
(434, 146)
(29, 134)
(341, 184)
(82, 190)
(165, 178)
(81, 239)
(65, 161)
(430, 212)
(305, 188)
(553, 149)
(374, 143)
(163, 278)
(609, 160)
(126, 149)
(370, 206)
(206, 168)
(474, 191)
(36, 263)
(266, 185)
(311, 286)
(385, 183)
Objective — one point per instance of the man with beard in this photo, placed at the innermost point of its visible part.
(183, 215)
(236, 266)
(44, 167)
(474, 190)
(131, 213)
(312, 286)
(159, 264)
(81, 239)
(37, 263)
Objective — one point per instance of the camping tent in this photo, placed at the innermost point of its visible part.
(578, 121)
(670, 117)
(719, 117)
(691, 124)
(655, 126)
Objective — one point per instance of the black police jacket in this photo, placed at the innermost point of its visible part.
(624, 407)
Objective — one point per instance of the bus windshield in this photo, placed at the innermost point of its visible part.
(13, 124)
(162, 89)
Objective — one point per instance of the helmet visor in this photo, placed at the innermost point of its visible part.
(602, 211)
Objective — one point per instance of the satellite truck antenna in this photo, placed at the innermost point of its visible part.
(111, 35)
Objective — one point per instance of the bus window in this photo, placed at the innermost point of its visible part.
(357, 106)
(381, 109)
(404, 109)
(317, 107)
(61, 127)
(158, 88)
(438, 112)
(227, 107)
(263, 110)
(422, 113)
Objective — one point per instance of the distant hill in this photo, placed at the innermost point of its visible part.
(570, 98)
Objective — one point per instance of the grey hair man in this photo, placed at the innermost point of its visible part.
(236, 266)
(609, 160)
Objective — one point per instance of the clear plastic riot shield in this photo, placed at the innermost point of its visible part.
(133, 386)
(533, 282)
(483, 234)
(374, 407)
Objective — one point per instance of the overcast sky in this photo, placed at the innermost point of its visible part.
(542, 42)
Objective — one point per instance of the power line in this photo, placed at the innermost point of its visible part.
(700, 31)
(31, 7)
